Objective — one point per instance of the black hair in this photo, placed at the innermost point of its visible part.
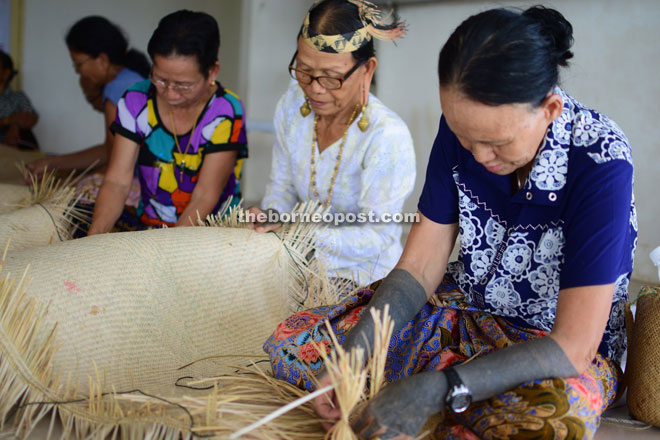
(7, 63)
(503, 56)
(187, 32)
(331, 17)
(94, 35)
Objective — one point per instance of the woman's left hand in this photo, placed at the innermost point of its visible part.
(400, 411)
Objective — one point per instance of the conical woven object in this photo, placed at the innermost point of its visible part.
(130, 309)
(40, 215)
(643, 364)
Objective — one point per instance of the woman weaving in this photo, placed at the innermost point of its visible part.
(540, 187)
(183, 129)
(338, 144)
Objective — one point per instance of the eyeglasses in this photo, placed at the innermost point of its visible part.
(327, 82)
(176, 86)
(78, 64)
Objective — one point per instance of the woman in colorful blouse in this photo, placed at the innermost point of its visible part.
(107, 67)
(540, 188)
(340, 145)
(182, 128)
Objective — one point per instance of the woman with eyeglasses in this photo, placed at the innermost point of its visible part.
(184, 131)
(340, 145)
(106, 67)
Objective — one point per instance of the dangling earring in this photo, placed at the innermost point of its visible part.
(305, 109)
(363, 123)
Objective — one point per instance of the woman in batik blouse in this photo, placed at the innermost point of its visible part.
(340, 145)
(539, 186)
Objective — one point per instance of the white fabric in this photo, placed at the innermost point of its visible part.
(377, 174)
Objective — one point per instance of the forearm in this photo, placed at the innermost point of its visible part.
(22, 120)
(405, 297)
(198, 208)
(108, 207)
(505, 369)
(79, 160)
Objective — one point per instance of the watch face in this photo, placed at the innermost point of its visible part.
(460, 402)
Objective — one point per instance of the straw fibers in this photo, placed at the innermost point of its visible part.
(38, 215)
(134, 334)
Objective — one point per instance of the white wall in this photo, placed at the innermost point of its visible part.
(617, 57)
(67, 123)
(269, 38)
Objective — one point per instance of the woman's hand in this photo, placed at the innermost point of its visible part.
(326, 405)
(38, 167)
(400, 411)
(261, 223)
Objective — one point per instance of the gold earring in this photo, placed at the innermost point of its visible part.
(305, 109)
(363, 123)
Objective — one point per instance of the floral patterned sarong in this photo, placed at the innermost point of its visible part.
(447, 331)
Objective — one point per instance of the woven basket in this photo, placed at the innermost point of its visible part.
(643, 364)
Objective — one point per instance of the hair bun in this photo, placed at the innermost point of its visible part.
(556, 29)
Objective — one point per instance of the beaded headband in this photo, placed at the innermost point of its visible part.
(373, 26)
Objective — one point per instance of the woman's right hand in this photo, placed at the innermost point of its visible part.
(326, 405)
(261, 226)
(37, 168)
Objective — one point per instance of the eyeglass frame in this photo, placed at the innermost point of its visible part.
(79, 64)
(341, 80)
(165, 85)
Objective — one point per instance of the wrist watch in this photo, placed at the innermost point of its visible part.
(458, 397)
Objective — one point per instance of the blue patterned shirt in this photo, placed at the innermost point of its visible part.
(572, 224)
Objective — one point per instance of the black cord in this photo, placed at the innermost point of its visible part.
(57, 230)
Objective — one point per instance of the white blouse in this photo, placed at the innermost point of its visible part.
(376, 175)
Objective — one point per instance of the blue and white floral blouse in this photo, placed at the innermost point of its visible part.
(572, 224)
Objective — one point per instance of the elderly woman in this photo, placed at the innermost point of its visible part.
(107, 67)
(340, 145)
(183, 129)
(540, 187)
(17, 116)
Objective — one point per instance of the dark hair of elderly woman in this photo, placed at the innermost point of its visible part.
(184, 131)
(540, 187)
(95, 35)
(106, 66)
(534, 44)
(337, 144)
(187, 33)
(17, 116)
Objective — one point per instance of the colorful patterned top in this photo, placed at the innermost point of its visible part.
(572, 224)
(167, 176)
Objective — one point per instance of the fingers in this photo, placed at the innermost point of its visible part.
(267, 227)
(367, 427)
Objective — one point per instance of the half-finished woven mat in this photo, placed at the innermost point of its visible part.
(122, 313)
(138, 305)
